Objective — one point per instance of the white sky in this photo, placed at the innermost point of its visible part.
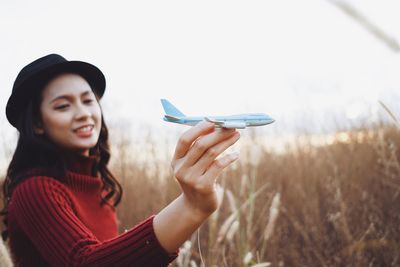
(298, 61)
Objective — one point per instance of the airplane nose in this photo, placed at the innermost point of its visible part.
(268, 121)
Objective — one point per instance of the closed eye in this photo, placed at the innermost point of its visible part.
(62, 106)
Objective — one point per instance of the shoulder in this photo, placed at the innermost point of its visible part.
(34, 187)
(38, 181)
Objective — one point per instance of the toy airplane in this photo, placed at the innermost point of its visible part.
(232, 121)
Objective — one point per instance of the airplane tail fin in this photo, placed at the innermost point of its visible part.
(171, 109)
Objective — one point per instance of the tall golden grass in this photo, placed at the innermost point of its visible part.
(332, 204)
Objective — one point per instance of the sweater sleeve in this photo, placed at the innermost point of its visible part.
(45, 214)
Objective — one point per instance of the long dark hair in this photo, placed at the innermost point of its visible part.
(34, 151)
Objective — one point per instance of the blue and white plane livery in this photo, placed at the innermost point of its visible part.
(172, 114)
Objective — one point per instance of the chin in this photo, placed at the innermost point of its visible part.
(83, 147)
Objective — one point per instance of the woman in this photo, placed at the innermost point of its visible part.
(59, 194)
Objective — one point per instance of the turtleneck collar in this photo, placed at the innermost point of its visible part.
(81, 173)
(78, 163)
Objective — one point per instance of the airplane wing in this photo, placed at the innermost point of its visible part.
(227, 124)
(220, 123)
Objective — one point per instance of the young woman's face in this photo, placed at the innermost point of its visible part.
(70, 114)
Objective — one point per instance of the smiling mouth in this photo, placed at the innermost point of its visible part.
(84, 129)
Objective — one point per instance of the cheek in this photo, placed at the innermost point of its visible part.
(55, 123)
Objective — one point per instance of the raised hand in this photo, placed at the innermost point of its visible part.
(196, 167)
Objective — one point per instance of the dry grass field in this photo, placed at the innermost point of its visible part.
(335, 204)
(332, 204)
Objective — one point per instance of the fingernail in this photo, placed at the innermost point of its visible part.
(236, 134)
(207, 123)
(228, 129)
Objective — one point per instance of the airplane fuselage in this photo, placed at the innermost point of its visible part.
(237, 121)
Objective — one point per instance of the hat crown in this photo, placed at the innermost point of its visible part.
(36, 66)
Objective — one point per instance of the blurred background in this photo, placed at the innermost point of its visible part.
(319, 187)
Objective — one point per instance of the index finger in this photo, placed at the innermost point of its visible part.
(188, 137)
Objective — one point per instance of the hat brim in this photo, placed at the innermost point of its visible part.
(18, 101)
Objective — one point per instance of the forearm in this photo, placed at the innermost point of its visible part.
(176, 223)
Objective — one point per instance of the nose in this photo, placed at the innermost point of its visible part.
(82, 112)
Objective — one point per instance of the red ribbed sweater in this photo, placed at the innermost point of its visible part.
(61, 223)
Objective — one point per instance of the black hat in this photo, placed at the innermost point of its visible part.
(33, 77)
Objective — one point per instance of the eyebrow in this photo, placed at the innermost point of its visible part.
(68, 96)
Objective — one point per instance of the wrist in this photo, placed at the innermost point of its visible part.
(194, 212)
(174, 224)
